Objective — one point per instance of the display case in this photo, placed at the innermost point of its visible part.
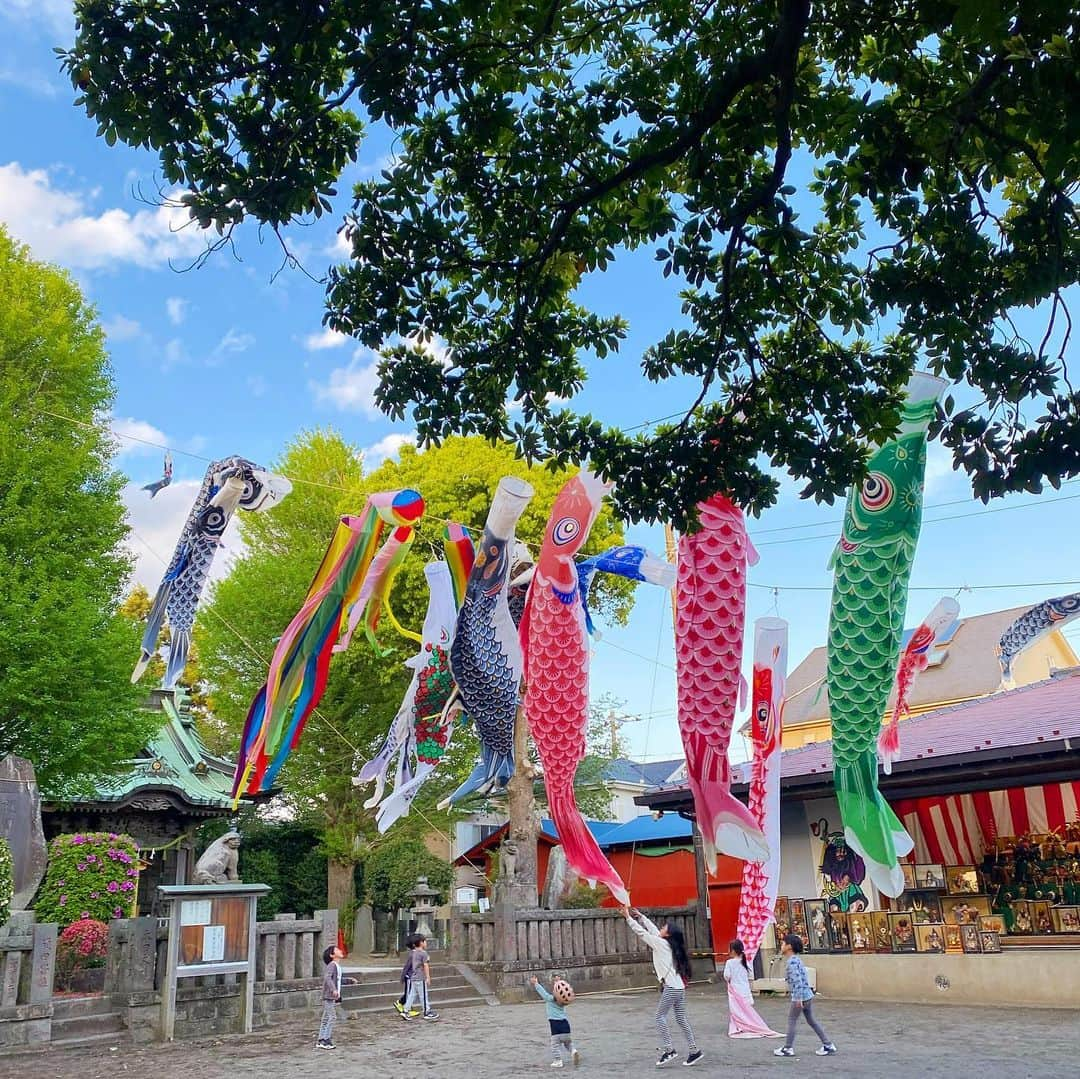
(902, 932)
(817, 924)
(839, 932)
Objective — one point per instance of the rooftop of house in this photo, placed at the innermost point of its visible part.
(1006, 728)
(645, 829)
(647, 774)
(963, 664)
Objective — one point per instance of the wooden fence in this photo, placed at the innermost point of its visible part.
(290, 949)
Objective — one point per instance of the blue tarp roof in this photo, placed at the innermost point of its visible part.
(643, 829)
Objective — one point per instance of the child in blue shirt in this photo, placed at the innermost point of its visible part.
(560, 1027)
(802, 1000)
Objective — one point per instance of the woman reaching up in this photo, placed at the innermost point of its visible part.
(672, 965)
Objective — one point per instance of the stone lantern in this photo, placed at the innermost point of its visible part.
(423, 907)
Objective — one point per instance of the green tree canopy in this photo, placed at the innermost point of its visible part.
(66, 701)
(391, 873)
(841, 191)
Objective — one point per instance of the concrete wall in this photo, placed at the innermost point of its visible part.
(1033, 978)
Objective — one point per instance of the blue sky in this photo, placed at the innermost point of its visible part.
(231, 358)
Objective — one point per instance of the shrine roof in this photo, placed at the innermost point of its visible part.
(175, 763)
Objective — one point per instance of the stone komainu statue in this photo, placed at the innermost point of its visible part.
(219, 861)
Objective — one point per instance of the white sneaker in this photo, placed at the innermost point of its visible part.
(556, 1063)
(784, 1051)
(826, 1050)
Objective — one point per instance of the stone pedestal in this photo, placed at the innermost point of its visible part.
(364, 931)
(20, 825)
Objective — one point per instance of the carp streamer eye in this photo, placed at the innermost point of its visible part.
(877, 492)
(565, 530)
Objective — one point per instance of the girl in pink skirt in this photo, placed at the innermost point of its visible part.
(745, 1021)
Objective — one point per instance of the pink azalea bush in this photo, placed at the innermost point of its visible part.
(91, 876)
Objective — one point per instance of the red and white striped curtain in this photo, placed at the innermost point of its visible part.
(956, 829)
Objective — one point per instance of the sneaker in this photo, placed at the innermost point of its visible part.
(556, 1063)
(399, 1007)
(575, 1056)
(826, 1050)
(666, 1057)
(431, 1017)
(327, 1045)
(784, 1051)
(692, 1058)
(414, 1013)
(407, 1016)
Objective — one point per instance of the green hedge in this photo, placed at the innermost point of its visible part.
(91, 875)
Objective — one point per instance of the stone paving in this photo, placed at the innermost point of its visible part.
(617, 1039)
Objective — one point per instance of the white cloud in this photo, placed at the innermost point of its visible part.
(232, 344)
(435, 347)
(256, 385)
(388, 446)
(176, 308)
(352, 388)
(175, 353)
(32, 82)
(119, 328)
(54, 15)
(327, 338)
(156, 524)
(941, 475)
(60, 225)
(133, 435)
(340, 249)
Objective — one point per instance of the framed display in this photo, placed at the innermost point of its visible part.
(1066, 919)
(930, 938)
(989, 943)
(992, 923)
(839, 932)
(1040, 916)
(954, 939)
(817, 925)
(781, 919)
(1023, 917)
(902, 932)
(908, 869)
(929, 875)
(962, 910)
(962, 880)
(923, 906)
(882, 936)
(861, 928)
(971, 937)
(798, 920)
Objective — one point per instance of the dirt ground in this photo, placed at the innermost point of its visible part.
(616, 1036)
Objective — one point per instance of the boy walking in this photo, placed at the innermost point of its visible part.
(561, 1039)
(331, 995)
(802, 1001)
(406, 976)
(420, 983)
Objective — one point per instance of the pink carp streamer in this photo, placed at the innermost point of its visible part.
(761, 880)
(710, 611)
(556, 647)
(913, 661)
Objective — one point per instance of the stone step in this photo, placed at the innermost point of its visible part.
(439, 1004)
(120, 1037)
(76, 1007)
(87, 1026)
(382, 989)
(386, 1000)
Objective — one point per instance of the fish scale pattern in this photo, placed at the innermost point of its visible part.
(710, 613)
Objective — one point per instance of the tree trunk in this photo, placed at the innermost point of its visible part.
(521, 805)
(340, 888)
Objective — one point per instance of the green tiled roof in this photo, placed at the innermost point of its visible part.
(175, 761)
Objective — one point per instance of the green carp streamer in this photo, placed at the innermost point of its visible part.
(872, 564)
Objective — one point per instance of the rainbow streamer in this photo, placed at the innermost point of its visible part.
(460, 554)
(348, 584)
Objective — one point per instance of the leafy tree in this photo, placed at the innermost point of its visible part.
(812, 177)
(247, 611)
(391, 873)
(66, 702)
(7, 880)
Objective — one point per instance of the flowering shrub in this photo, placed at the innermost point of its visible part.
(84, 943)
(7, 881)
(91, 875)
